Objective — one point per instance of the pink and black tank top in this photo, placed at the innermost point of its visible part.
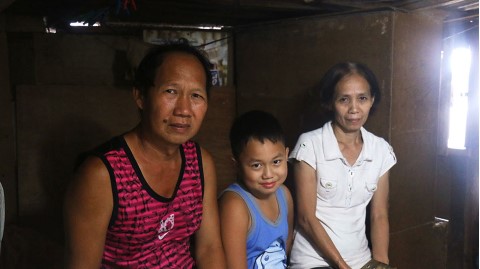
(147, 230)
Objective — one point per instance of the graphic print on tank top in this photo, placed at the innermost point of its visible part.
(166, 226)
(274, 257)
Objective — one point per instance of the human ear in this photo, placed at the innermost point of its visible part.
(138, 97)
(234, 161)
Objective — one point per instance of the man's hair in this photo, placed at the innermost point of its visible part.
(147, 69)
(254, 124)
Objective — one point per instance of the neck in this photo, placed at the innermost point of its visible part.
(347, 138)
(152, 147)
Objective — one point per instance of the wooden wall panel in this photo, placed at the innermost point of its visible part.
(417, 46)
(54, 125)
(7, 131)
(214, 134)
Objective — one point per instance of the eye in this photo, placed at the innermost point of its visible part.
(198, 96)
(363, 98)
(171, 91)
(277, 162)
(255, 165)
(343, 100)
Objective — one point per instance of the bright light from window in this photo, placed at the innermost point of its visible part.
(83, 24)
(460, 65)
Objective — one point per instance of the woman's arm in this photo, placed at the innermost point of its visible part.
(306, 187)
(379, 220)
(87, 211)
(208, 244)
(291, 216)
(235, 222)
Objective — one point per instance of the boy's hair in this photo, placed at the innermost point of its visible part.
(254, 124)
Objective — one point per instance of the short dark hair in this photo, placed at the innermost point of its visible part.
(255, 124)
(146, 71)
(326, 90)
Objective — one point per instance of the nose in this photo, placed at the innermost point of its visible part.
(353, 106)
(267, 172)
(183, 106)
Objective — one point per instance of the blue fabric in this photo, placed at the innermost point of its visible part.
(266, 241)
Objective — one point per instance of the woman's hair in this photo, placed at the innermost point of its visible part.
(146, 71)
(324, 92)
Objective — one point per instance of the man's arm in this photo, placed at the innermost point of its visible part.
(87, 211)
(208, 244)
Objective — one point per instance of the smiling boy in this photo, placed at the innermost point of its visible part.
(256, 213)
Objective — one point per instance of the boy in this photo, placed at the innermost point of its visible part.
(256, 213)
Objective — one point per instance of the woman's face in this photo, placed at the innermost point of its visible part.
(351, 103)
(175, 106)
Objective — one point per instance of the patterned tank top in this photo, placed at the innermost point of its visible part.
(147, 230)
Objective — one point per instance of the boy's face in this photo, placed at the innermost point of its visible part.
(263, 167)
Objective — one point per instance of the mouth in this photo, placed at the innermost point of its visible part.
(268, 185)
(179, 127)
(356, 120)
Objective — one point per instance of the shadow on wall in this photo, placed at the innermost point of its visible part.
(37, 240)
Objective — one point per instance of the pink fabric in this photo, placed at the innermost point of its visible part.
(150, 231)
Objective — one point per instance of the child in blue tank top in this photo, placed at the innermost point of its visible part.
(256, 213)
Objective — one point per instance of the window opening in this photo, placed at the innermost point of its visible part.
(460, 70)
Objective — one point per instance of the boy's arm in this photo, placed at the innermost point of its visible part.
(87, 211)
(379, 221)
(208, 244)
(235, 222)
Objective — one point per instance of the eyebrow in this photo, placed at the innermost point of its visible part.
(279, 155)
(361, 93)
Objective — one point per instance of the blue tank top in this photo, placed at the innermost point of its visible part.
(266, 240)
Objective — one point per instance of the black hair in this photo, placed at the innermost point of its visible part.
(146, 71)
(255, 124)
(325, 92)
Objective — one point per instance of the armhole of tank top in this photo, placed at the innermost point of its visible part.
(113, 185)
(282, 200)
(200, 165)
(251, 207)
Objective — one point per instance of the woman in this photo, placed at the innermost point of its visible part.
(338, 170)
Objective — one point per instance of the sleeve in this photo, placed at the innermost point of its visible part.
(389, 158)
(304, 150)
